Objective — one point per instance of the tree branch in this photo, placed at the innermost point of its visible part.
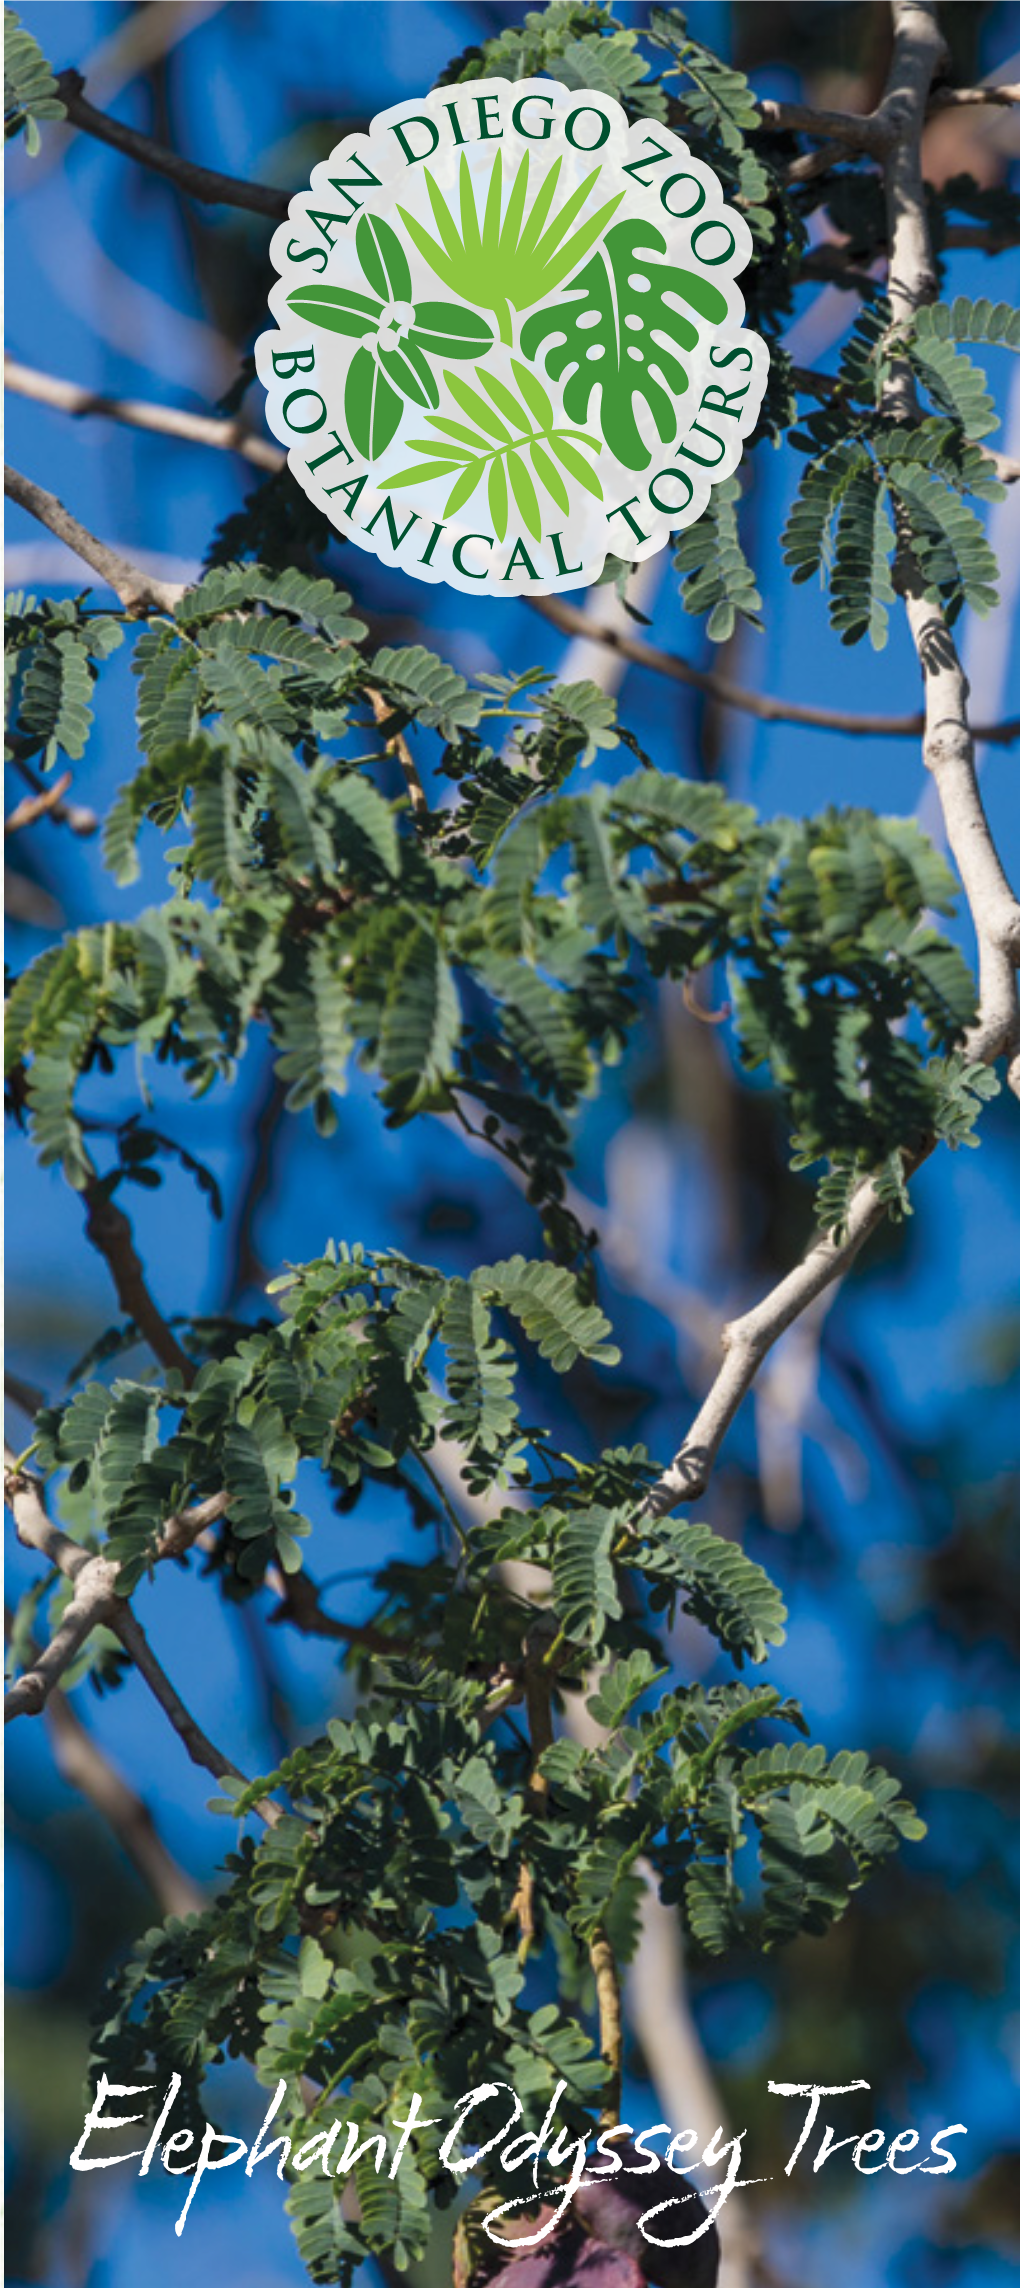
(572, 621)
(34, 806)
(949, 740)
(110, 1232)
(747, 1341)
(85, 1766)
(202, 183)
(874, 131)
(70, 814)
(136, 590)
(95, 1596)
(607, 1992)
(949, 754)
(138, 413)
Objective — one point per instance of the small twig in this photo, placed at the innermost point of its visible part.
(607, 1991)
(538, 1704)
(70, 814)
(300, 1605)
(110, 1232)
(34, 806)
(202, 183)
(199, 1747)
(748, 1340)
(138, 591)
(139, 413)
(397, 745)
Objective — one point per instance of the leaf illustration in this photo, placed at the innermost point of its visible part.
(501, 443)
(442, 329)
(397, 366)
(338, 308)
(371, 408)
(505, 262)
(382, 259)
(620, 328)
(409, 370)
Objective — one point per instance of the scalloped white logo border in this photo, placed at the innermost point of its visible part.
(508, 337)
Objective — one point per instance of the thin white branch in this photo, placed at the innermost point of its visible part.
(140, 413)
(949, 743)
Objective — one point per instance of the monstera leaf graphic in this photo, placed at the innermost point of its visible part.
(397, 339)
(622, 331)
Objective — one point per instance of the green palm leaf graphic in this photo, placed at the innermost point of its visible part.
(509, 431)
(503, 261)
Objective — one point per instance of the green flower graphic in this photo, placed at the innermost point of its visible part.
(404, 337)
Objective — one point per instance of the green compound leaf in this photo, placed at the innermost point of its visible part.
(494, 447)
(30, 90)
(617, 328)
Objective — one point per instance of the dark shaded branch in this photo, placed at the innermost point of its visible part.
(110, 1232)
(202, 183)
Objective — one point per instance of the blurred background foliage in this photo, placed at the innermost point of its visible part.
(874, 1473)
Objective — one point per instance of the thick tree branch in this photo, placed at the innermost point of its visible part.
(573, 621)
(949, 740)
(136, 590)
(202, 183)
(138, 413)
(874, 131)
(93, 1603)
(949, 754)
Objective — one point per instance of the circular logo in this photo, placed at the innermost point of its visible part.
(509, 339)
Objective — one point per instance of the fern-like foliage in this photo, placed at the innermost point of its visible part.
(30, 88)
(716, 575)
